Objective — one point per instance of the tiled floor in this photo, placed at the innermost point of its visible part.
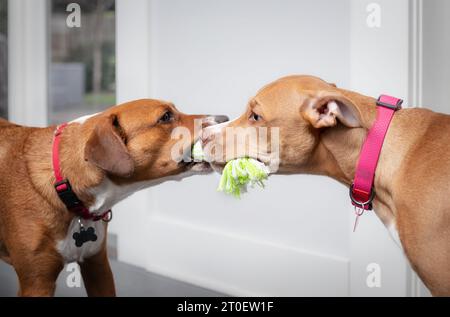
(130, 281)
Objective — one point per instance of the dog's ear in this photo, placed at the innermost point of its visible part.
(323, 112)
(106, 148)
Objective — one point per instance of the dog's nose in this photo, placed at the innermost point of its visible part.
(220, 119)
(212, 124)
(213, 120)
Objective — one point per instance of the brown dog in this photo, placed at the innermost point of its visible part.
(321, 131)
(106, 157)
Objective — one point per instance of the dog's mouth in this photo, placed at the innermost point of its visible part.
(190, 163)
(201, 167)
(197, 160)
(219, 166)
(198, 167)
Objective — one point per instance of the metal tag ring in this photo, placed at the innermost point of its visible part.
(358, 203)
(108, 216)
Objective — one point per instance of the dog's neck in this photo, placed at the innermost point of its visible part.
(338, 150)
(98, 191)
(38, 157)
(337, 153)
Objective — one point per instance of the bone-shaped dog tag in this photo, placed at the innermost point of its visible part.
(85, 235)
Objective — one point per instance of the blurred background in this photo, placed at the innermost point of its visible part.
(293, 238)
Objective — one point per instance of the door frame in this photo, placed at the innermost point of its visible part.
(416, 287)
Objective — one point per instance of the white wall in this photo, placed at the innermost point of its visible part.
(436, 53)
(211, 57)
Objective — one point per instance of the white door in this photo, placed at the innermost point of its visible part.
(293, 238)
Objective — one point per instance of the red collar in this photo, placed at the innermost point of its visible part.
(64, 189)
(362, 191)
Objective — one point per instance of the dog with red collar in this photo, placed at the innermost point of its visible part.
(394, 161)
(58, 185)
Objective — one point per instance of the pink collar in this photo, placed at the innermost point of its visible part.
(362, 191)
(64, 189)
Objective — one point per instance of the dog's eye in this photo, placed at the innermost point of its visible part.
(255, 117)
(166, 117)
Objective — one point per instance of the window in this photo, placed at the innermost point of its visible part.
(3, 58)
(82, 63)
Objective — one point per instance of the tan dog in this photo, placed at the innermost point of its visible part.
(322, 129)
(106, 157)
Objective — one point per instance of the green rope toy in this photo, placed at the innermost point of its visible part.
(238, 173)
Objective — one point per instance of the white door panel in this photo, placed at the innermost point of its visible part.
(211, 57)
(294, 237)
(240, 265)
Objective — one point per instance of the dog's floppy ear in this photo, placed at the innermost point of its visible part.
(323, 112)
(106, 148)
